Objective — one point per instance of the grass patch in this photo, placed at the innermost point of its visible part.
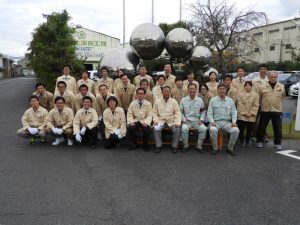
(285, 131)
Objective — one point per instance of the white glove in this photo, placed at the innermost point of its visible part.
(33, 131)
(100, 118)
(78, 137)
(157, 127)
(120, 136)
(59, 131)
(54, 130)
(82, 131)
(117, 132)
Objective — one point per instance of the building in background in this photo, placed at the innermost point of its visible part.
(92, 45)
(6, 66)
(276, 42)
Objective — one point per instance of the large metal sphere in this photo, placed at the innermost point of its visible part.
(147, 41)
(200, 56)
(179, 42)
(120, 58)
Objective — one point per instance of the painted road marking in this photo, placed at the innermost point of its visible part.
(288, 154)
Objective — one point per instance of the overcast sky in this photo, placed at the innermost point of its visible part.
(20, 17)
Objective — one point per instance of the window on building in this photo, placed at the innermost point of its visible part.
(272, 48)
(290, 28)
(257, 34)
(288, 46)
(273, 31)
(256, 50)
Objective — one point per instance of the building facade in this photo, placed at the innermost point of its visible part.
(276, 42)
(92, 45)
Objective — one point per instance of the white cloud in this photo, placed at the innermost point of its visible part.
(20, 18)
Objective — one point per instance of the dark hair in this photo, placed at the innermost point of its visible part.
(166, 87)
(263, 65)
(61, 82)
(203, 85)
(240, 67)
(179, 78)
(103, 85)
(192, 84)
(124, 74)
(34, 97)
(221, 85)
(168, 64)
(144, 80)
(142, 65)
(248, 82)
(104, 68)
(87, 98)
(190, 71)
(39, 84)
(139, 89)
(122, 70)
(83, 86)
(159, 76)
(68, 66)
(227, 76)
(112, 98)
(59, 98)
(211, 72)
(84, 71)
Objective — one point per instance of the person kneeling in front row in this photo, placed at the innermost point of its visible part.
(59, 122)
(85, 123)
(33, 121)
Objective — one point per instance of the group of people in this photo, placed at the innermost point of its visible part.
(118, 108)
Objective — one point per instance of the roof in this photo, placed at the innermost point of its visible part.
(96, 32)
(270, 24)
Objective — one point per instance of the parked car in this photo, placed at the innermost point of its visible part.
(288, 79)
(251, 76)
(294, 90)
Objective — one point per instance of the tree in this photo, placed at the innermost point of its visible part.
(218, 27)
(53, 46)
(166, 28)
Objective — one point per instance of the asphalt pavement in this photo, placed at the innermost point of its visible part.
(46, 185)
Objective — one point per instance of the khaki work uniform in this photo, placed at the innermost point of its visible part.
(33, 119)
(108, 82)
(70, 81)
(178, 94)
(63, 120)
(88, 82)
(125, 96)
(114, 121)
(137, 80)
(69, 99)
(78, 100)
(149, 96)
(166, 114)
(46, 100)
(212, 88)
(85, 118)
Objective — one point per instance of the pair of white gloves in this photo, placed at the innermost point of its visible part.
(78, 135)
(118, 133)
(33, 130)
(57, 131)
(157, 127)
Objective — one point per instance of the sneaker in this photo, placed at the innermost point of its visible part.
(32, 140)
(58, 141)
(259, 145)
(70, 142)
(199, 148)
(278, 147)
(248, 144)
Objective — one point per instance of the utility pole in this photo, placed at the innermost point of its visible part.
(180, 9)
(123, 23)
(152, 11)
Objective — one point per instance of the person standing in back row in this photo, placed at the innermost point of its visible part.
(272, 94)
(170, 78)
(68, 79)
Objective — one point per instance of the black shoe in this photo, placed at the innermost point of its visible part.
(146, 148)
(230, 152)
(174, 150)
(132, 147)
(200, 150)
(157, 150)
(213, 152)
(93, 146)
(184, 150)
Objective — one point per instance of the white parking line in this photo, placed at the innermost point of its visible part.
(288, 154)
